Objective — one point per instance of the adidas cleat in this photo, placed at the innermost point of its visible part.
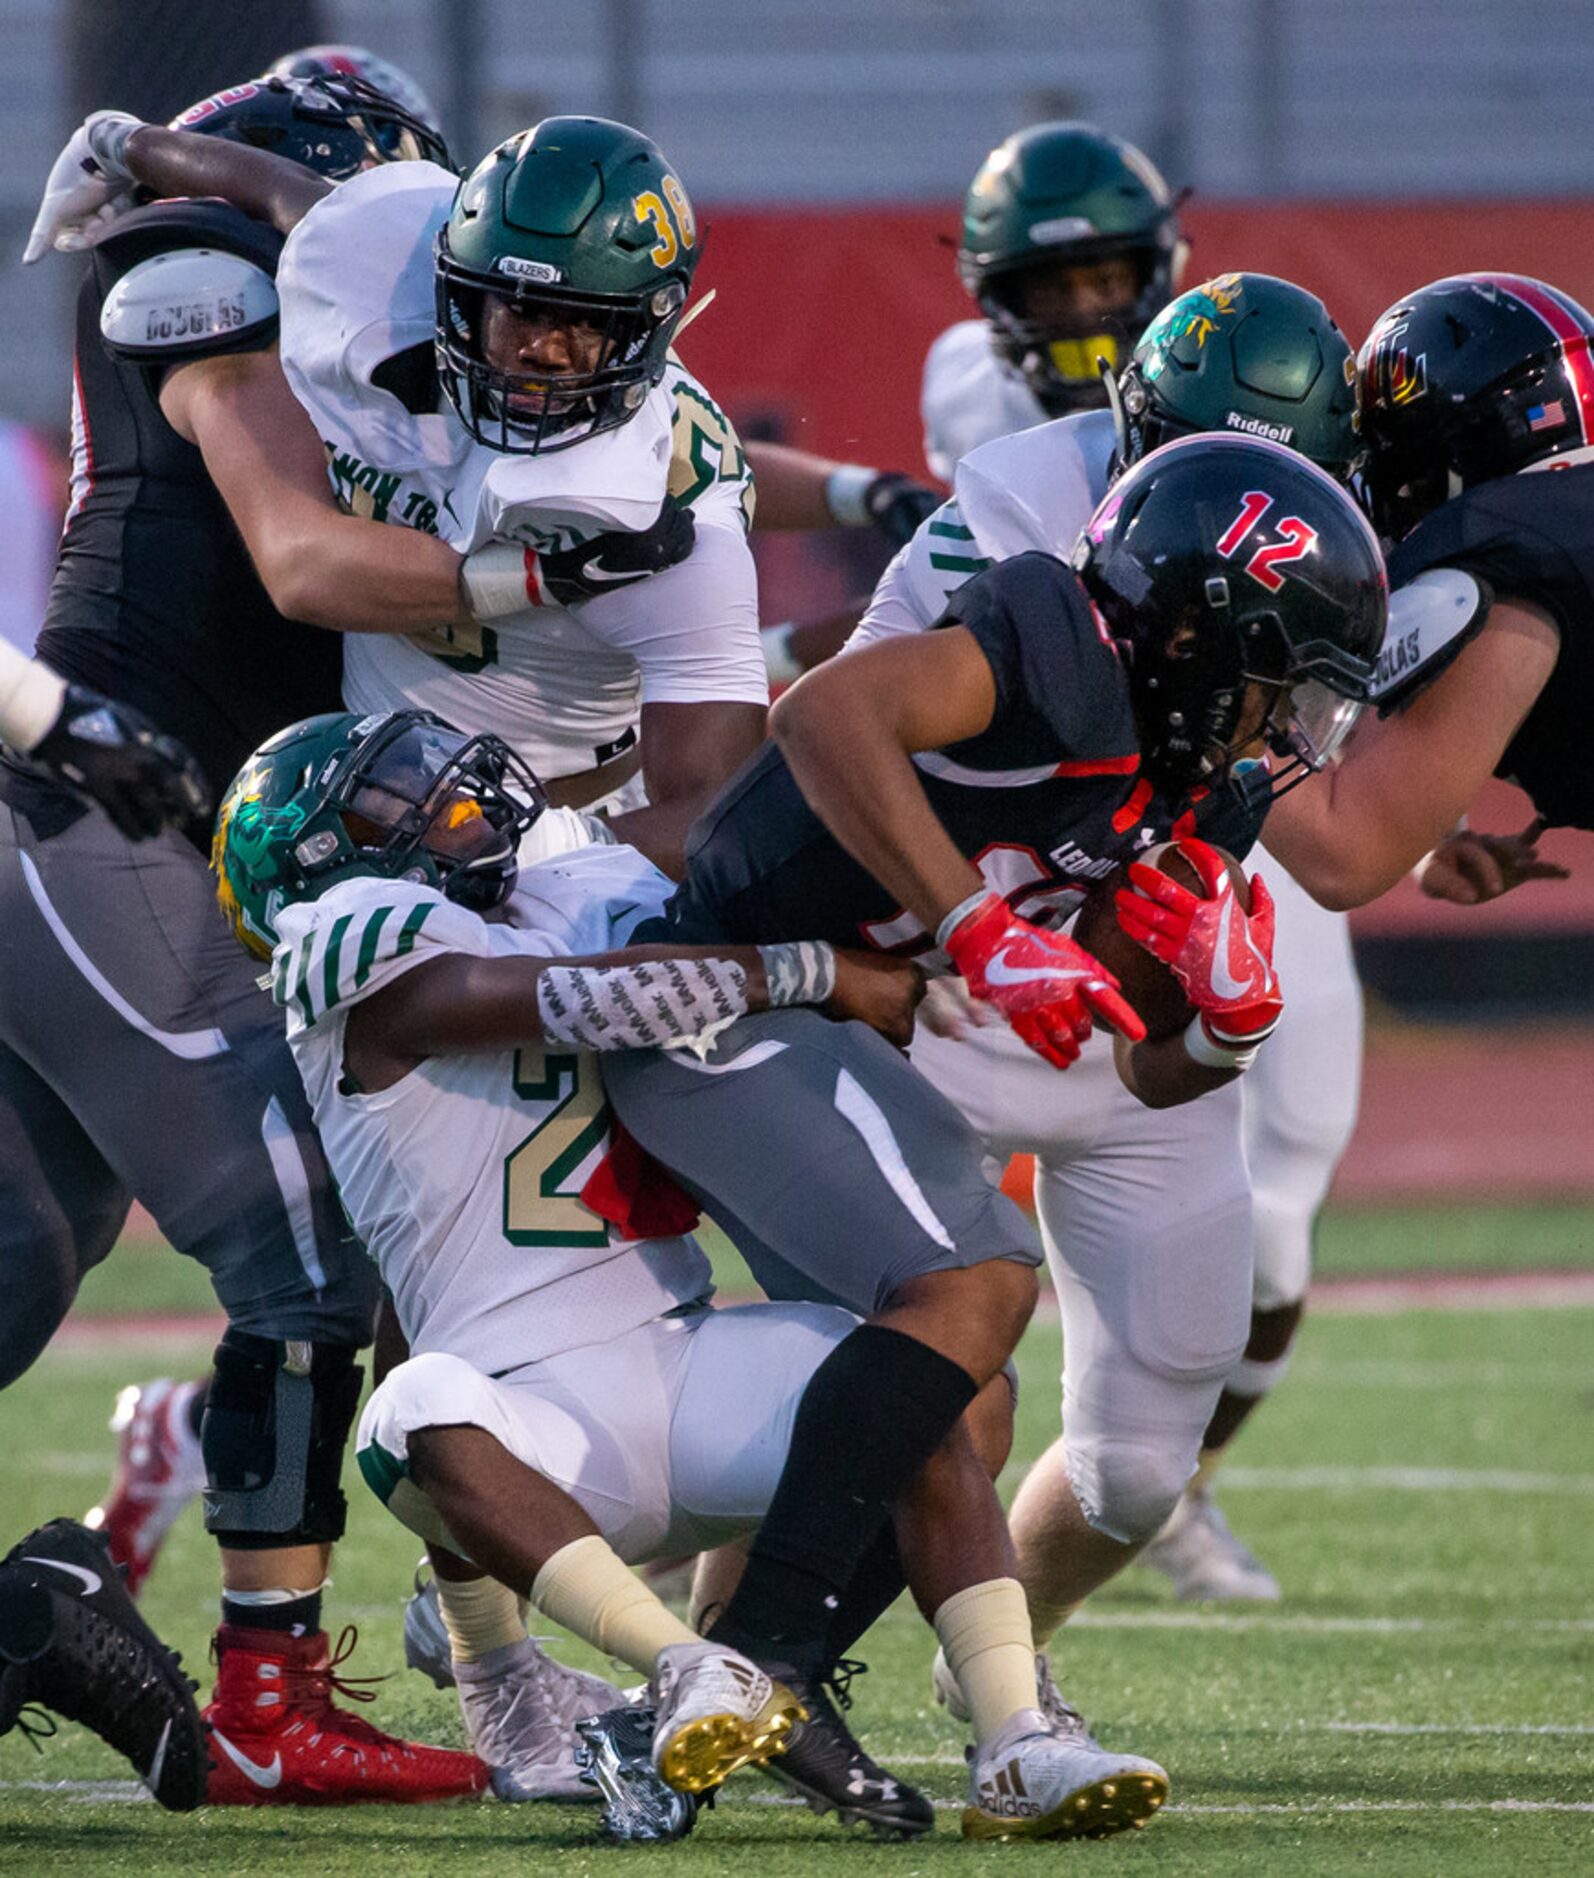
(1031, 1783)
(521, 1707)
(426, 1644)
(1204, 1560)
(1061, 1716)
(716, 1712)
(615, 1754)
(826, 1764)
(72, 1641)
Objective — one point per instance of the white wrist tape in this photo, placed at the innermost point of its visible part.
(845, 489)
(108, 132)
(497, 580)
(1212, 1052)
(800, 972)
(779, 663)
(959, 913)
(662, 1005)
(31, 696)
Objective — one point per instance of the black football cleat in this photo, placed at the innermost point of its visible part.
(826, 1764)
(72, 1641)
(616, 1756)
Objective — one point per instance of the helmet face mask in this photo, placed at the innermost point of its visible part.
(1070, 244)
(400, 796)
(336, 125)
(349, 61)
(1246, 593)
(579, 230)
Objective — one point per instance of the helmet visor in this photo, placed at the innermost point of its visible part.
(1319, 721)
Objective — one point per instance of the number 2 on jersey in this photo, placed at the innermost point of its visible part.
(1296, 538)
(542, 1179)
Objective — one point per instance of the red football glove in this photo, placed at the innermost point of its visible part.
(1043, 984)
(1220, 954)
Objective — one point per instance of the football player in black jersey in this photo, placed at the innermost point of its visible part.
(138, 1057)
(959, 790)
(1477, 400)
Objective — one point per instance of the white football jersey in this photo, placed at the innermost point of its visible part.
(1034, 489)
(464, 1178)
(969, 396)
(562, 686)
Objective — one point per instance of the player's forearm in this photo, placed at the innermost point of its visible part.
(1161, 1074)
(31, 696)
(180, 163)
(858, 778)
(355, 576)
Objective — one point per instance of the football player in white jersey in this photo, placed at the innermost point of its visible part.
(1147, 1215)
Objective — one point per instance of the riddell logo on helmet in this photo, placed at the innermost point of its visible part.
(1259, 427)
(543, 271)
(1062, 228)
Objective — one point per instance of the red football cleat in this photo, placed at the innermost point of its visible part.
(277, 1738)
(159, 1469)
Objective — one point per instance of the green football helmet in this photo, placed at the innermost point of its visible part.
(1249, 354)
(581, 223)
(1060, 196)
(396, 796)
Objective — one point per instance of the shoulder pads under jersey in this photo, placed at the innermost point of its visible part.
(1430, 619)
(186, 304)
(188, 222)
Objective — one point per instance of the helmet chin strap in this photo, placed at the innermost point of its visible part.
(1115, 404)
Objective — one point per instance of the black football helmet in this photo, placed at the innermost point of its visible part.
(336, 125)
(1470, 378)
(1218, 562)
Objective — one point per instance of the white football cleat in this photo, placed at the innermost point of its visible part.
(521, 1707)
(1061, 1716)
(1201, 1557)
(1032, 1782)
(716, 1711)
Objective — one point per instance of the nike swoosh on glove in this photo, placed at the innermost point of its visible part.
(503, 577)
(1222, 955)
(1046, 987)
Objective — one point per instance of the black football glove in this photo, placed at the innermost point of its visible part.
(619, 558)
(897, 505)
(115, 756)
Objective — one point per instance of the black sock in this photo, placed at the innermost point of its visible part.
(873, 1413)
(876, 1585)
(299, 1617)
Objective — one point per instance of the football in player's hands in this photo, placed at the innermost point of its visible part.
(878, 990)
(1148, 983)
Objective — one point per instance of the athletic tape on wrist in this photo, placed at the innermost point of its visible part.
(1211, 1052)
(800, 972)
(31, 696)
(845, 489)
(779, 660)
(959, 913)
(108, 132)
(661, 1005)
(497, 579)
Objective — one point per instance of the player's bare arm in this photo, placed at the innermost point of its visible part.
(180, 163)
(458, 1004)
(688, 751)
(1351, 833)
(318, 564)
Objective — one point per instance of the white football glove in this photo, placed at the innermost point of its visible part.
(89, 185)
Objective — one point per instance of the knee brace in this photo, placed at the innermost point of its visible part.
(1126, 1487)
(275, 1427)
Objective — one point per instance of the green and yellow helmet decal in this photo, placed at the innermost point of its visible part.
(1250, 355)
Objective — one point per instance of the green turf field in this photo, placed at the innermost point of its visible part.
(1423, 1487)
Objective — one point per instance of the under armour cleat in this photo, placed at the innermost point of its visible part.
(279, 1739)
(826, 1764)
(1061, 1715)
(615, 1753)
(521, 1708)
(426, 1644)
(159, 1469)
(72, 1641)
(1201, 1557)
(716, 1712)
(1029, 1782)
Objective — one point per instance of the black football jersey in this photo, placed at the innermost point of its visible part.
(154, 600)
(1531, 537)
(1045, 801)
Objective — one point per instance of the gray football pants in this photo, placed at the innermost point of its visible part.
(139, 1059)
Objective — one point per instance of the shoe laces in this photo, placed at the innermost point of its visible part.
(37, 1724)
(312, 1690)
(838, 1679)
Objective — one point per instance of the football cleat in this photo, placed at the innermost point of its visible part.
(159, 1469)
(1029, 1782)
(1061, 1716)
(615, 1753)
(72, 1641)
(279, 1739)
(521, 1708)
(1201, 1557)
(716, 1712)
(426, 1644)
(825, 1763)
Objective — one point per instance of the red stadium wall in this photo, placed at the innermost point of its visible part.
(824, 316)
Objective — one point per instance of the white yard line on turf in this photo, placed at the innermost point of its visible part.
(1282, 1808)
(1408, 1479)
(1445, 1728)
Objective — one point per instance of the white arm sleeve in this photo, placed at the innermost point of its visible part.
(30, 698)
